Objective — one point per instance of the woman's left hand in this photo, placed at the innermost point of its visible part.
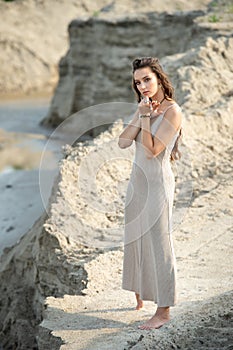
(155, 105)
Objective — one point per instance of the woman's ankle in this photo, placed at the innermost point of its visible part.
(139, 302)
(163, 311)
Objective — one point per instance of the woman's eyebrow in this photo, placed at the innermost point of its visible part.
(146, 76)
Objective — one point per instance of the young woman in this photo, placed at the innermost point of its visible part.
(149, 267)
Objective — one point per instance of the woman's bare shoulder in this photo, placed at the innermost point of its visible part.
(173, 115)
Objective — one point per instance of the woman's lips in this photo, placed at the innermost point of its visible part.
(145, 92)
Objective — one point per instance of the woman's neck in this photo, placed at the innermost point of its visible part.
(159, 96)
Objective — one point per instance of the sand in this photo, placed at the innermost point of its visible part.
(73, 291)
(105, 317)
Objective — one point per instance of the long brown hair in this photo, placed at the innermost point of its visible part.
(166, 86)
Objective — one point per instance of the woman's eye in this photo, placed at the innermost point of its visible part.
(137, 83)
(147, 79)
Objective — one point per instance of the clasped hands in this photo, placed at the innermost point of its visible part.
(145, 106)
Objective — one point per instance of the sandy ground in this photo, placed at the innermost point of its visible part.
(105, 317)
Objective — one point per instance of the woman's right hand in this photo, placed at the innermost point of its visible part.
(144, 106)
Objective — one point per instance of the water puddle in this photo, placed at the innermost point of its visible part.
(22, 144)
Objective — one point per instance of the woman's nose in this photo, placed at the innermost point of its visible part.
(142, 86)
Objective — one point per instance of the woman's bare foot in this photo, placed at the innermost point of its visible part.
(161, 317)
(139, 302)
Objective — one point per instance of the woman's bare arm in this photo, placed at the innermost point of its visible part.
(130, 132)
(170, 124)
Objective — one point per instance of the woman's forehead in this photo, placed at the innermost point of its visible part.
(140, 73)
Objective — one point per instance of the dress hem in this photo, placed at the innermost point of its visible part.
(150, 299)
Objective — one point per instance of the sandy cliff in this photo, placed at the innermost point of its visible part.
(105, 318)
(93, 74)
(55, 258)
(33, 36)
(59, 288)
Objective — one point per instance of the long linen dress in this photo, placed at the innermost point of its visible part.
(149, 266)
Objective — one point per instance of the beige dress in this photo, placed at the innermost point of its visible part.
(149, 266)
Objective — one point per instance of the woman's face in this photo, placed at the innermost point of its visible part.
(146, 81)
